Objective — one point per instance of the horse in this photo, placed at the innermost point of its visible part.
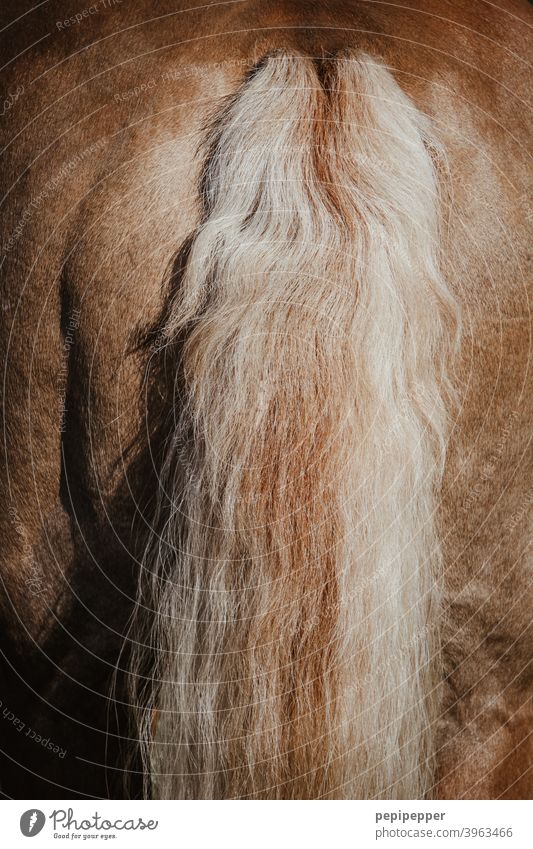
(265, 424)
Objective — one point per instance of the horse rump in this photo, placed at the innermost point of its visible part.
(289, 593)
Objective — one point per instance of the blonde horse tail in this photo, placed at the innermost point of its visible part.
(294, 560)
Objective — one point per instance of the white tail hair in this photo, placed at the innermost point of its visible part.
(292, 570)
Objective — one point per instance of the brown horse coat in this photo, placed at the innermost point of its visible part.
(101, 122)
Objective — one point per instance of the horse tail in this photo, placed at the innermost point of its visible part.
(294, 559)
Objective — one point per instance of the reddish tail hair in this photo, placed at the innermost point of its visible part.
(293, 568)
